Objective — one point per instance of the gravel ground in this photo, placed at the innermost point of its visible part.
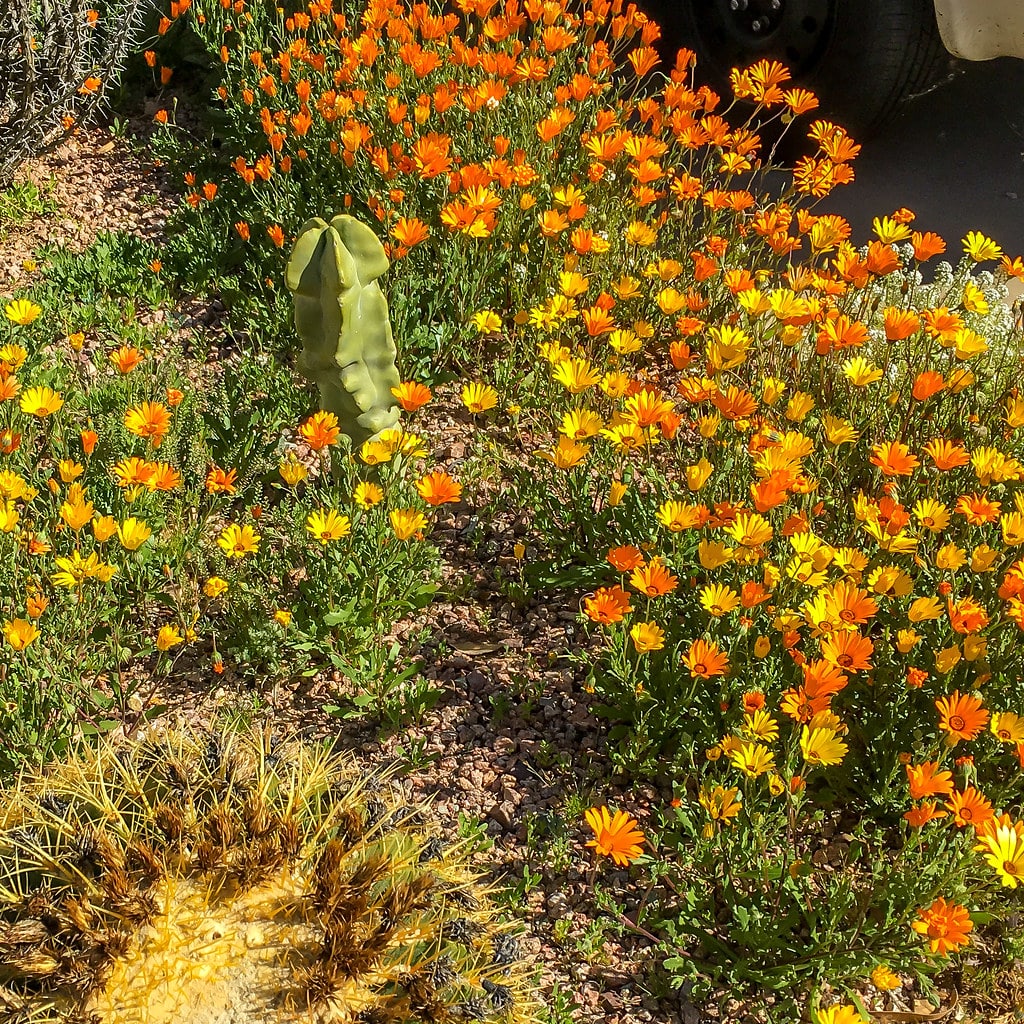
(97, 183)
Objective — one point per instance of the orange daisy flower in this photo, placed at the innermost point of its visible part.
(625, 557)
(410, 231)
(945, 925)
(916, 677)
(977, 509)
(438, 488)
(927, 779)
(882, 259)
(946, 454)
(893, 458)
(607, 606)
(926, 245)
(1012, 268)
(800, 101)
(848, 650)
(1011, 587)
(219, 481)
(823, 677)
(705, 660)
(653, 579)
(900, 324)
(618, 837)
(126, 358)
(753, 593)
(151, 419)
(163, 477)
(133, 472)
(412, 396)
(320, 431)
(926, 384)
(753, 700)
(848, 603)
(801, 705)
(734, 403)
(919, 816)
(970, 807)
(430, 155)
(962, 716)
(9, 387)
(967, 616)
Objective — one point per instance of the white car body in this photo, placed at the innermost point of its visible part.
(981, 29)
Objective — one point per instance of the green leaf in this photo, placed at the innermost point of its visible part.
(100, 728)
(337, 711)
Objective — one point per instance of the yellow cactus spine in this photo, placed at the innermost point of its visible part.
(223, 877)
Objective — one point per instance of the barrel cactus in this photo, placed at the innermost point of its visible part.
(341, 316)
(223, 877)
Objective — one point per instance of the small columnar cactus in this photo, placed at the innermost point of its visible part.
(223, 878)
(341, 316)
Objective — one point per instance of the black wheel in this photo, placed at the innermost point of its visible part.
(861, 57)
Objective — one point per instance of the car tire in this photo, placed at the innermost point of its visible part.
(860, 57)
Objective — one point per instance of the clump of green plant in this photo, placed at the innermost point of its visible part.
(20, 202)
(795, 498)
(477, 137)
(216, 873)
(760, 889)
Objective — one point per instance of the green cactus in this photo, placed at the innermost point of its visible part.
(341, 316)
(224, 877)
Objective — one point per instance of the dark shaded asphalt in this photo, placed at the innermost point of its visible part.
(954, 156)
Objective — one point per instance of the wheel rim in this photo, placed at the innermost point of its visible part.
(739, 32)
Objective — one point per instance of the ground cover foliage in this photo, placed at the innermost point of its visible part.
(778, 470)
